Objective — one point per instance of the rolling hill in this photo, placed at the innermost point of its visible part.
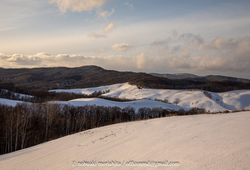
(208, 141)
(232, 100)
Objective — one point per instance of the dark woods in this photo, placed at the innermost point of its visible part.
(27, 125)
(213, 86)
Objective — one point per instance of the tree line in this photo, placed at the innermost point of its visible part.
(163, 83)
(26, 125)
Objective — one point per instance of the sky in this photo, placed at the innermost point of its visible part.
(160, 36)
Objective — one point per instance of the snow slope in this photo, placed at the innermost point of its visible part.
(107, 103)
(10, 102)
(209, 141)
(91, 90)
(233, 100)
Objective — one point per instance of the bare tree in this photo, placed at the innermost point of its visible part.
(9, 129)
(176, 101)
(18, 122)
(25, 123)
(51, 111)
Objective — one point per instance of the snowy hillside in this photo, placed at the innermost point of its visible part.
(209, 141)
(233, 100)
(135, 104)
(10, 102)
(214, 102)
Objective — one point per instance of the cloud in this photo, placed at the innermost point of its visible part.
(117, 62)
(23, 59)
(78, 5)
(109, 28)
(39, 59)
(131, 6)
(140, 61)
(227, 54)
(97, 35)
(100, 51)
(191, 37)
(221, 43)
(191, 52)
(104, 34)
(121, 47)
(160, 43)
(83, 5)
(105, 14)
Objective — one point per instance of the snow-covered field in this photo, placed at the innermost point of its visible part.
(10, 102)
(233, 100)
(209, 141)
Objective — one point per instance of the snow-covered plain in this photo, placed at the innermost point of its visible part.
(207, 141)
(232, 100)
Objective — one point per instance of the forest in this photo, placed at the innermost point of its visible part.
(213, 86)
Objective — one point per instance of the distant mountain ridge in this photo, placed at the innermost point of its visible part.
(175, 76)
(64, 77)
(94, 76)
(221, 78)
(200, 78)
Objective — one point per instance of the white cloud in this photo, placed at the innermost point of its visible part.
(23, 59)
(105, 14)
(41, 59)
(109, 28)
(131, 6)
(78, 5)
(195, 54)
(227, 54)
(121, 47)
(83, 5)
(46, 60)
(104, 34)
(140, 61)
